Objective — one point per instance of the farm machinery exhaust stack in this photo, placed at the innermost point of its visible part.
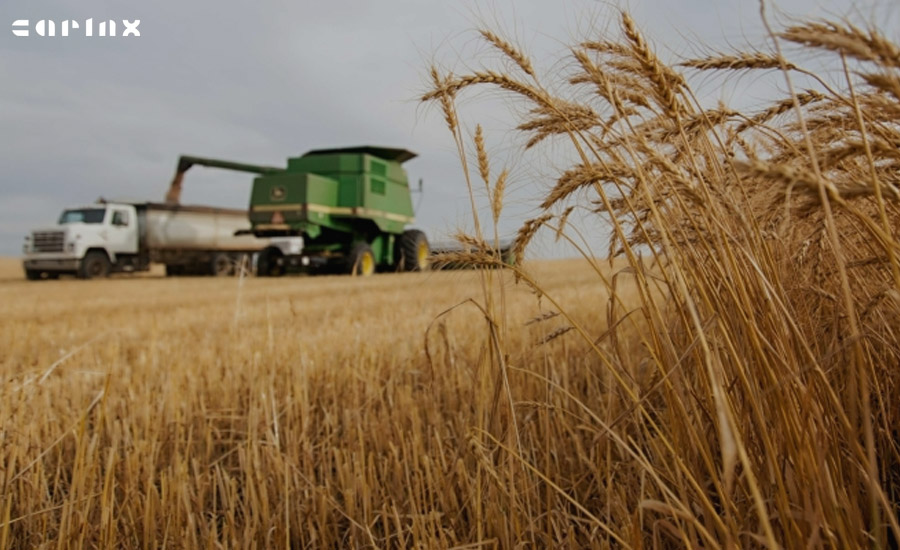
(342, 209)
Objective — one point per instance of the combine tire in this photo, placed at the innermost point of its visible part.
(221, 265)
(94, 265)
(269, 263)
(361, 260)
(414, 251)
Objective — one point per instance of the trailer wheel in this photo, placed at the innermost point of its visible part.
(94, 265)
(361, 260)
(270, 263)
(414, 251)
(221, 265)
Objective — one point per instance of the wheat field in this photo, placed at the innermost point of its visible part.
(729, 380)
(297, 412)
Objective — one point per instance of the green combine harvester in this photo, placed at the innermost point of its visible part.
(338, 210)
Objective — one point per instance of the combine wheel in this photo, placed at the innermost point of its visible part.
(414, 251)
(94, 265)
(221, 265)
(361, 260)
(270, 263)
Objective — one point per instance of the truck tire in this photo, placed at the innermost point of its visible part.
(414, 251)
(173, 270)
(221, 265)
(269, 263)
(361, 260)
(32, 275)
(95, 264)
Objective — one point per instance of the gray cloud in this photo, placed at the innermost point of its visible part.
(261, 81)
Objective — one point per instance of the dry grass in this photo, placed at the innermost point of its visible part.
(298, 412)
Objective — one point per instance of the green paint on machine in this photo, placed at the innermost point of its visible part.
(350, 206)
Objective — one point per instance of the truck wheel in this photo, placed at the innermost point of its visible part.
(221, 265)
(32, 275)
(269, 263)
(361, 260)
(173, 270)
(94, 265)
(414, 251)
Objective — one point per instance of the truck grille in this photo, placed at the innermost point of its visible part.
(49, 241)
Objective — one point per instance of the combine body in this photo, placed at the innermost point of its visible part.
(337, 209)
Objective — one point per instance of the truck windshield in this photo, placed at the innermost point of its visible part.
(83, 215)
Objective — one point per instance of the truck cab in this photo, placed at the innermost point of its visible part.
(87, 241)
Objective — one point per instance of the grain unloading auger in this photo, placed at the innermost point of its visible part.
(173, 196)
(339, 209)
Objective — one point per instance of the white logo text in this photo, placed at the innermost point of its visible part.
(46, 27)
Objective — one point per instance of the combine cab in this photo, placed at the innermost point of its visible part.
(341, 210)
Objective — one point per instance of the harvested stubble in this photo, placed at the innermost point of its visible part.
(292, 413)
(765, 413)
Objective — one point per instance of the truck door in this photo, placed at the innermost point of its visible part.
(123, 230)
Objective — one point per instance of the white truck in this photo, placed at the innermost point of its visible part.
(106, 237)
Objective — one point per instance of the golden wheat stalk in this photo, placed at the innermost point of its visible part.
(779, 108)
(484, 169)
(526, 233)
(497, 195)
(520, 59)
(740, 61)
(445, 96)
(666, 81)
(846, 39)
(453, 85)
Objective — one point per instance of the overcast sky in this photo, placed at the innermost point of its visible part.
(82, 118)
